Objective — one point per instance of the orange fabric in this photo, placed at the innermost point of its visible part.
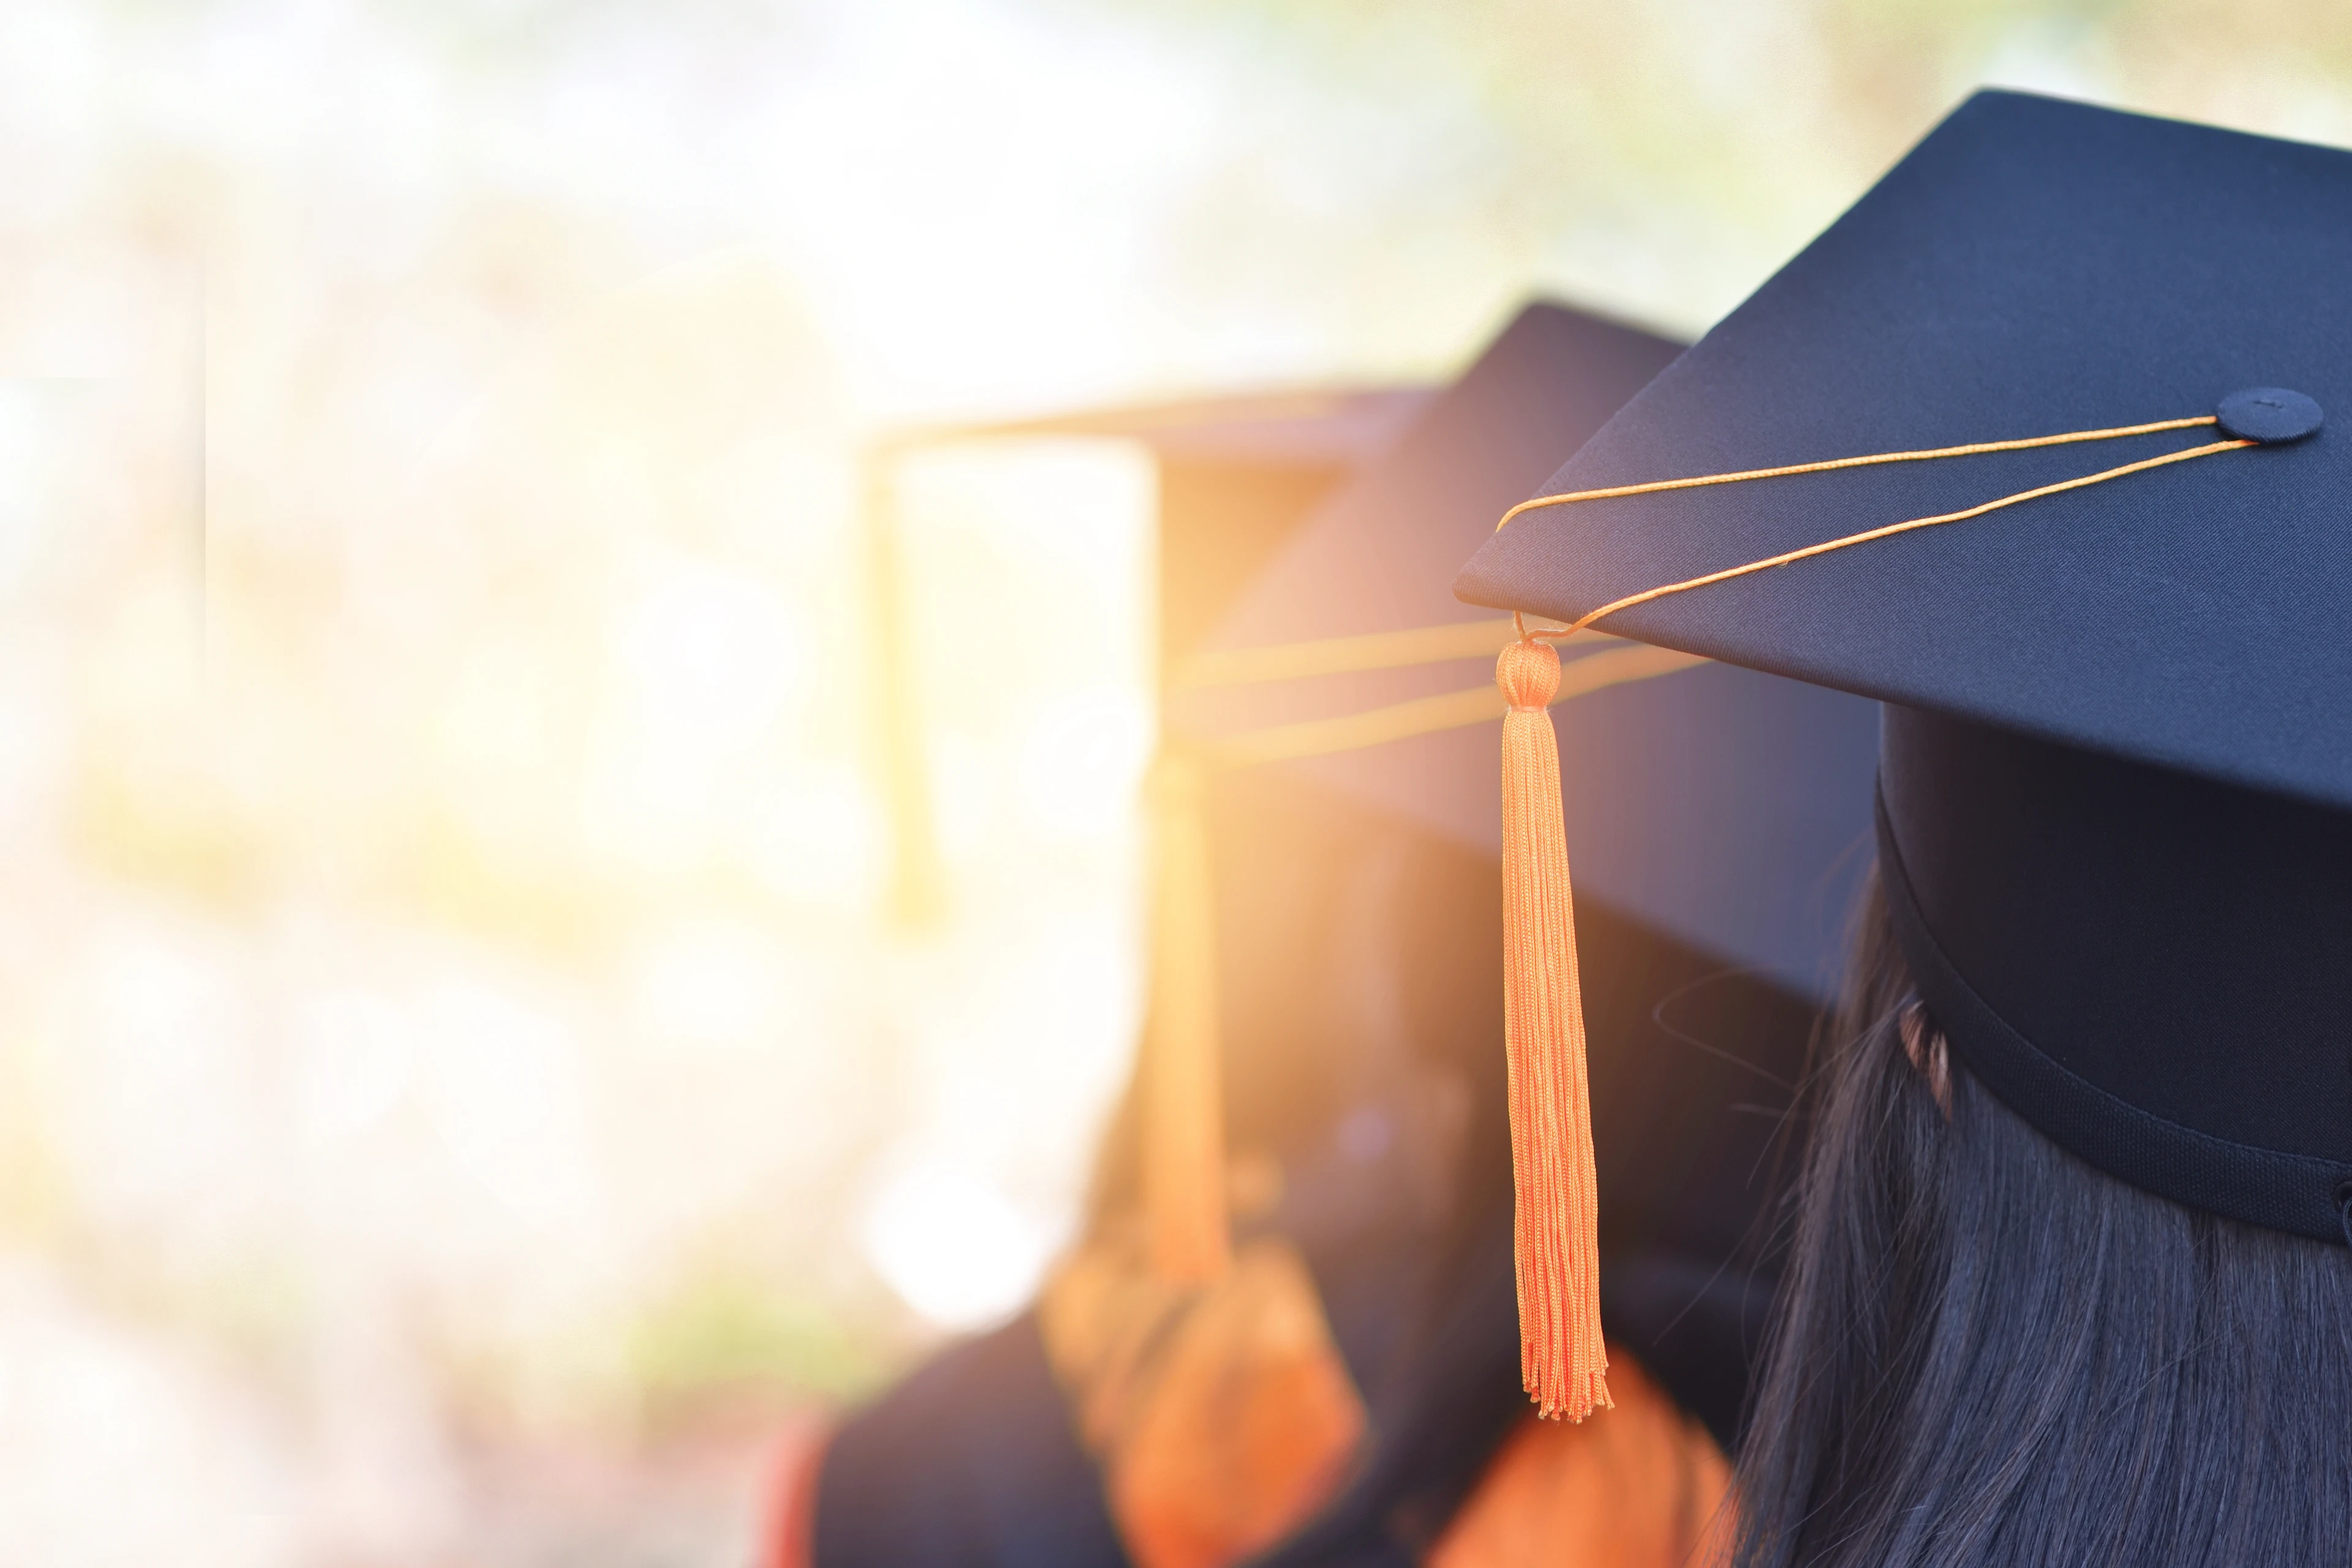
(1224, 1417)
(1645, 1489)
(1556, 1217)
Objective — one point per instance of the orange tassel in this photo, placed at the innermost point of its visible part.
(1184, 1123)
(1556, 1220)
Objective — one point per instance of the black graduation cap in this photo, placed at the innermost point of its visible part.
(2114, 814)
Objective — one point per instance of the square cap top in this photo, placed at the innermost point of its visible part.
(2032, 268)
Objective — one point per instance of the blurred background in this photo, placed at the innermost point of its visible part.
(469, 1091)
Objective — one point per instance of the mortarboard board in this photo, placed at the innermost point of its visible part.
(2116, 757)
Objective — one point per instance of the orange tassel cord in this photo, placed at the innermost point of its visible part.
(1556, 1223)
(1183, 1125)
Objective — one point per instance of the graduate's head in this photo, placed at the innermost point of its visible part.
(1990, 1352)
(2042, 446)
(2099, 1325)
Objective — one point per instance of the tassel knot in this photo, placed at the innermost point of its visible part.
(1529, 673)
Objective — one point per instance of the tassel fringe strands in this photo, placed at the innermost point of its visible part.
(1556, 1221)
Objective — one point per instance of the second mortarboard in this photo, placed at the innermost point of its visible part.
(2030, 445)
(1715, 815)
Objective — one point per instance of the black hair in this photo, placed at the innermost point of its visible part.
(1989, 1353)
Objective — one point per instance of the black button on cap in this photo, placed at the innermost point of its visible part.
(2269, 414)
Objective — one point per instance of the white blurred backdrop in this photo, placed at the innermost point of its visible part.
(464, 1098)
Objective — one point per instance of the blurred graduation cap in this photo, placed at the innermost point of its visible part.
(984, 1431)
(1237, 473)
(1719, 808)
(1234, 475)
(2031, 446)
(1719, 820)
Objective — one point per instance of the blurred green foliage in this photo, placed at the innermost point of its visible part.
(719, 1337)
